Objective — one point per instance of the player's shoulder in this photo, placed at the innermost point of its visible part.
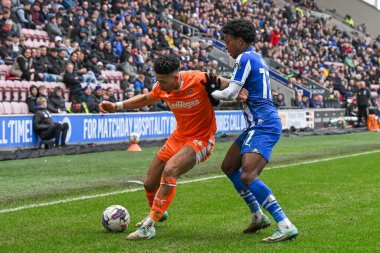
(192, 76)
(251, 57)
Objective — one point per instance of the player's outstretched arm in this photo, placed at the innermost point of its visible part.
(135, 102)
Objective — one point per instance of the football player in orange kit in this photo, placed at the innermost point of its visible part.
(190, 143)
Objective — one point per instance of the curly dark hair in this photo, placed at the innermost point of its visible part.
(241, 28)
(166, 64)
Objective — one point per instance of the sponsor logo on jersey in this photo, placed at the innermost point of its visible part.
(184, 105)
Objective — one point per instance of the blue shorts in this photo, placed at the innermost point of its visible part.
(260, 138)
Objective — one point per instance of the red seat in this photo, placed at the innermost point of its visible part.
(2, 89)
(4, 69)
(17, 90)
(375, 87)
(24, 108)
(8, 109)
(62, 85)
(119, 75)
(8, 94)
(16, 107)
(27, 33)
(2, 111)
(24, 92)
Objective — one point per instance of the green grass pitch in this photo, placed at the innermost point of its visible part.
(334, 203)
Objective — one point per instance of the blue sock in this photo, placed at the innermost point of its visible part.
(265, 197)
(248, 197)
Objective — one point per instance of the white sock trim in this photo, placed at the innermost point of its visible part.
(285, 224)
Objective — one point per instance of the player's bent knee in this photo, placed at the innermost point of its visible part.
(151, 185)
(227, 168)
(248, 178)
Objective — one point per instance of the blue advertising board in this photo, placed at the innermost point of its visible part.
(17, 130)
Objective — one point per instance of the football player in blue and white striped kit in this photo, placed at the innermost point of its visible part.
(251, 151)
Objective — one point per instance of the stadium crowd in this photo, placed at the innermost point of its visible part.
(311, 46)
(88, 37)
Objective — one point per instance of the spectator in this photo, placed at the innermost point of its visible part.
(129, 68)
(98, 93)
(89, 100)
(53, 70)
(43, 92)
(305, 102)
(16, 49)
(45, 127)
(78, 107)
(109, 56)
(128, 93)
(279, 101)
(56, 101)
(363, 96)
(6, 30)
(349, 21)
(139, 82)
(72, 81)
(92, 66)
(36, 16)
(23, 66)
(31, 100)
(125, 83)
(52, 28)
(6, 51)
(149, 79)
(315, 102)
(24, 16)
(275, 37)
(110, 95)
(80, 70)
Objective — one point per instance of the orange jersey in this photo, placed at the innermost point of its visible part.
(190, 105)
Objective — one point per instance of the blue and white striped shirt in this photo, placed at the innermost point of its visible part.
(251, 73)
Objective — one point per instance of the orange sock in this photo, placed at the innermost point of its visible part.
(163, 198)
(150, 197)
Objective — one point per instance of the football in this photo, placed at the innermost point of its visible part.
(134, 138)
(115, 218)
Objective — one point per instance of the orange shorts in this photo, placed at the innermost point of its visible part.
(203, 147)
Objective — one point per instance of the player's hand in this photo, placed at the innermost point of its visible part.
(107, 106)
(212, 84)
(243, 96)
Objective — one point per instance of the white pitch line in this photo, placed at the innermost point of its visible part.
(180, 182)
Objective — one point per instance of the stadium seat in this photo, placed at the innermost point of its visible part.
(1, 109)
(62, 85)
(3, 72)
(8, 92)
(24, 108)
(2, 89)
(16, 107)
(4, 69)
(17, 90)
(39, 83)
(375, 87)
(8, 109)
(24, 92)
